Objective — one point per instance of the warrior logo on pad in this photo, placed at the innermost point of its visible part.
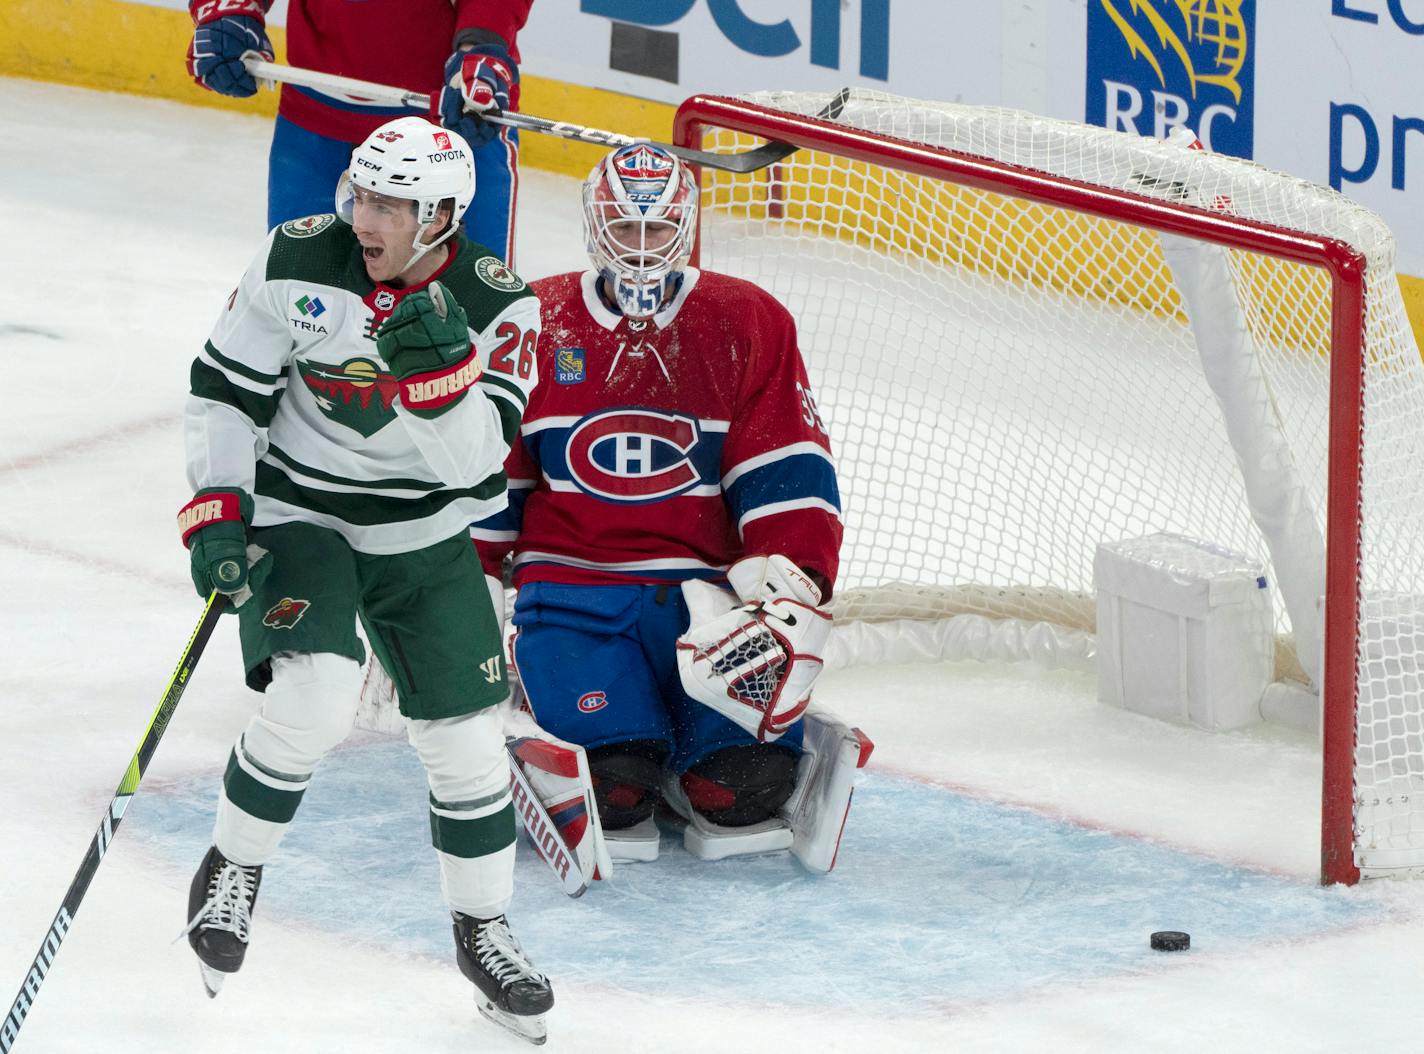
(286, 613)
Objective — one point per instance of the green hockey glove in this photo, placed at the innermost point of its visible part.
(426, 343)
(214, 528)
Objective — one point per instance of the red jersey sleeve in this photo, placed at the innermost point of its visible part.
(778, 477)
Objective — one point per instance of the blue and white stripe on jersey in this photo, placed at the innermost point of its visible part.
(798, 476)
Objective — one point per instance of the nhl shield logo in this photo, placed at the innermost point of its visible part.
(384, 300)
(286, 613)
(568, 365)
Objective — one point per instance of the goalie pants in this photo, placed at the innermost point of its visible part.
(428, 613)
(599, 666)
(303, 169)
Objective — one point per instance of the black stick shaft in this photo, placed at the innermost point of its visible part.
(64, 918)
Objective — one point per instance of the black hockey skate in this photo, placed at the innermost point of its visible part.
(508, 989)
(219, 916)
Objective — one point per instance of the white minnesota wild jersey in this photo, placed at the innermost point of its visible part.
(292, 402)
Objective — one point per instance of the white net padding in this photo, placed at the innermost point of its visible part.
(1008, 384)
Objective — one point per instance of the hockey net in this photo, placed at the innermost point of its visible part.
(1028, 337)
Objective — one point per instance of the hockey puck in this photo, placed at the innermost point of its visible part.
(1171, 941)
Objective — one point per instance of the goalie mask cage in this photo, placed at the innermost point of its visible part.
(1029, 337)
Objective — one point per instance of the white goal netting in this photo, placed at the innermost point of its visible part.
(1009, 383)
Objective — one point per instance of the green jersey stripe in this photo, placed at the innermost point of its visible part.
(205, 382)
(233, 366)
(509, 420)
(346, 481)
(504, 387)
(365, 510)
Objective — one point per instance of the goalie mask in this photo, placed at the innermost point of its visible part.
(640, 222)
(412, 159)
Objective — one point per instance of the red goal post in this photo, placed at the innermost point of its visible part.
(846, 203)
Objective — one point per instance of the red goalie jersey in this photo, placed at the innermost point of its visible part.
(663, 449)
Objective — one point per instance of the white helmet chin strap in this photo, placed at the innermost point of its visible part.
(421, 248)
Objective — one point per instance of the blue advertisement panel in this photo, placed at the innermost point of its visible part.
(1156, 64)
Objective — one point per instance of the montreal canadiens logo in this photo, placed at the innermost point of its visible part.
(633, 455)
(591, 701)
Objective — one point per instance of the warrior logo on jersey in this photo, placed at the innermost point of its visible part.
(357, 394)
(644, 173)
(285, 614)
(633, 455)
(568, 366)
(307, 226)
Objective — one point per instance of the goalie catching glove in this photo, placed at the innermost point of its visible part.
(755, 662)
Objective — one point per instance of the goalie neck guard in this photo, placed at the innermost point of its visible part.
(640, 222)
(412, 159)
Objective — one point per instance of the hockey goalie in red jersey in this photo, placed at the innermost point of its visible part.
(675, 522)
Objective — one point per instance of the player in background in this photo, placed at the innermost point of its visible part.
(341, 436)
(463, 49)
(673, 443)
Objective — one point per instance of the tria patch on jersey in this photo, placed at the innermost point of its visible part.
(307, 226)
(568, 366)
(493, 273)
(286, 613)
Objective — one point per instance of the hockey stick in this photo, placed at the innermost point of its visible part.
(59, 928)
(365, 91)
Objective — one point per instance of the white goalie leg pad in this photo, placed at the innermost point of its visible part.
(710, 841)
(468, 771)
(378, 709)
(306, 710)
(755, 663)
(638, 844)
(833, 763)
(558, 774)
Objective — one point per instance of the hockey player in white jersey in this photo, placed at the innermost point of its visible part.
(348, 418)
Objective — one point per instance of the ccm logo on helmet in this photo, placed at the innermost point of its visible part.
(633, 455)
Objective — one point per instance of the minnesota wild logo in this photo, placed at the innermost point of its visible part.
(307, 226)
(286, 613)
(494, 273)
(356, 394)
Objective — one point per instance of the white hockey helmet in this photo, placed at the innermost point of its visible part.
(640, 223)
(413, 159)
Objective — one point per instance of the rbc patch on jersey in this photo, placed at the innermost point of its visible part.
(568, 366)
(644, 173)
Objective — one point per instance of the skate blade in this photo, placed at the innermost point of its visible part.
(531, 1027)
(212, 979)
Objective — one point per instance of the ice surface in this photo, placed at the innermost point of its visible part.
(1008, 855)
